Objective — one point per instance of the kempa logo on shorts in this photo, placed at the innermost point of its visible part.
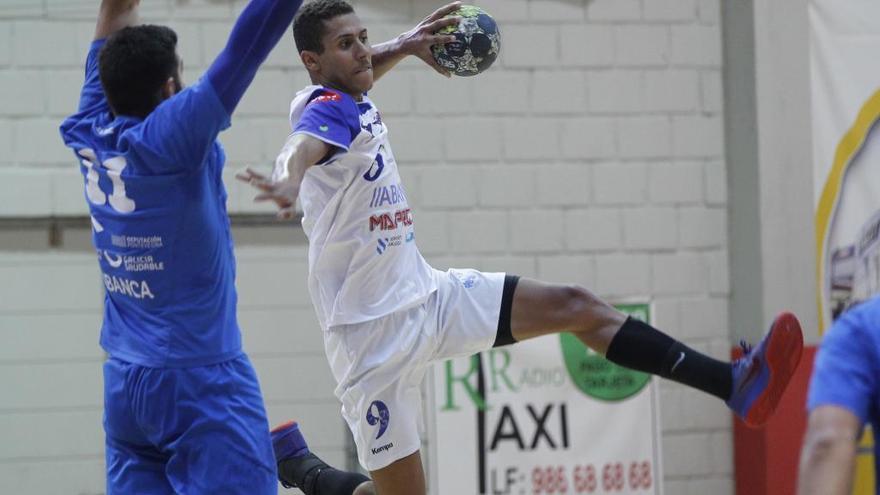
(383, 448)
(381, 417)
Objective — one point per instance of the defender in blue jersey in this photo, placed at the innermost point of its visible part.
(183, 409)
(844, 397)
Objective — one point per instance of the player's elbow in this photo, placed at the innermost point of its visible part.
(302, 151)
(828, 444)
(819, 445)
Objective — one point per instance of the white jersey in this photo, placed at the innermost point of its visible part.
(363, 259)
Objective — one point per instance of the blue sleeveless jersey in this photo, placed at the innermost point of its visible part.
(159, 224)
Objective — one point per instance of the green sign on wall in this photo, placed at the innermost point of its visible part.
(596, 376)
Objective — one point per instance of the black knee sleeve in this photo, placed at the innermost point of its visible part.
(504, 335)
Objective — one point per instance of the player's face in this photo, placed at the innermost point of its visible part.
(346, 62)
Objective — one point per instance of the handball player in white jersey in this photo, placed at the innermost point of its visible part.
(387, 315)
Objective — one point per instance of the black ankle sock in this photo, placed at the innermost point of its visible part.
(641, 347)
(315, 477)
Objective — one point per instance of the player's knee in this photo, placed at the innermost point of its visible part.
(365, 488)
(576, 300)
(585, 307)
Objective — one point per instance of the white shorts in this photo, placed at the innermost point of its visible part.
(379, 365)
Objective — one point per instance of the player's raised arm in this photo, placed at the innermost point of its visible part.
(417, 41)
(300, 152)
(115, 15)
(186, 128)
(256, 32)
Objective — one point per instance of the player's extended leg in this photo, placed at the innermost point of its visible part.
(540, 308)
(402, 477)
(135, 469)
(751, 386)
(133, 464)
(299, 468)
(212, 422)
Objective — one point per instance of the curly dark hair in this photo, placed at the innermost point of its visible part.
(134, 64)
(308, 27)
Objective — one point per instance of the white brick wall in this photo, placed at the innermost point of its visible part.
(445, 188)
(529, 46)
(696, 45)
(517, 188)
(50, 416)
(679, 183)
(474, 138)
(586, 45)
(670, 10)
(559, 92)
(616, 92)
(620, 183)
(593, 229)
(584, 138)
(5, 43)
(563, 185)
(614, 10)
(644, 137)
(641, 45)
(671, 91)
(593, 152)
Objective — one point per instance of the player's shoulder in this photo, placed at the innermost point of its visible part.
(861, 320)
(323, 95)
(325, 102)
(869, 308)
(86, 128)
(200, 98)
(324, 99)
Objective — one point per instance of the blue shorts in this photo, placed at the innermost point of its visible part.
(186, 430)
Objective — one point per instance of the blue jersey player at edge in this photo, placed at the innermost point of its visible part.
(183, 411)
(844, 398)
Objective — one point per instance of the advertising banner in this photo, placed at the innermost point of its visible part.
(546, 416)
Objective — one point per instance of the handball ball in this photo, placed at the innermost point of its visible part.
(478, 41)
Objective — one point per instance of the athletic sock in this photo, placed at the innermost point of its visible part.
(315, 477)
(641, 347)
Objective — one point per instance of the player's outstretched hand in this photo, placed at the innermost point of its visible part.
(419, 40)
(283, 192)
